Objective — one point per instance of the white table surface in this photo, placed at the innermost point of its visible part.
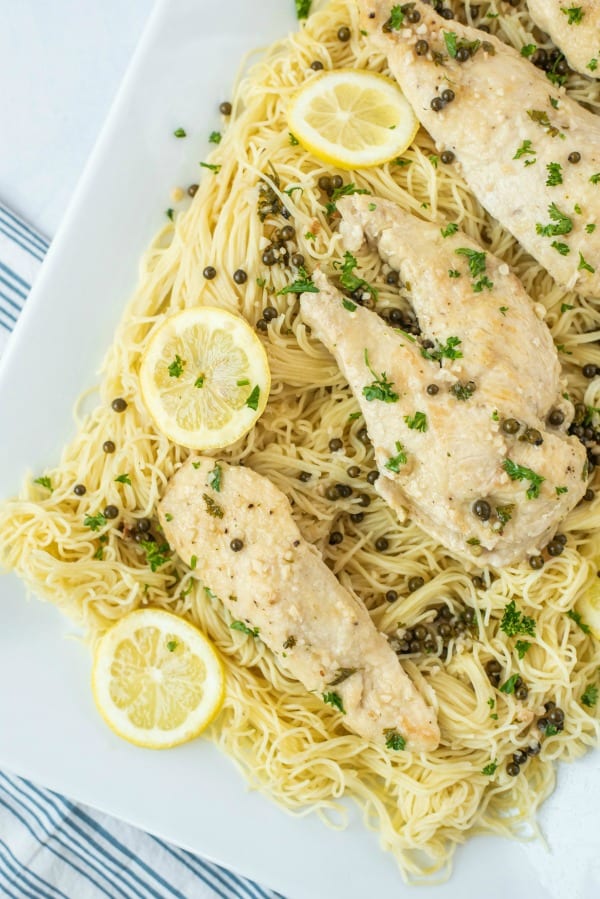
(61, 62)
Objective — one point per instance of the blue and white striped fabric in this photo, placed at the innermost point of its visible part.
(51, 848)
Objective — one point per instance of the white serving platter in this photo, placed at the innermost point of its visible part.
(49, 729)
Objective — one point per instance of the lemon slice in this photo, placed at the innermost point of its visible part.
(588, 607)
(157, 681)
(205, 378)
(352, 119)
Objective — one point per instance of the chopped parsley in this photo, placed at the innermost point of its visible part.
(509, 685)
(444, 351)
(560, 490)
(574, 14)
(157, 554)
(453, 273)
(214, 137)
(490, 769)
(169, 214)
(176, 367)
(503, 309)
(521, 473)
(290, 642)
(453, 45)
(253, 399)
(553, 102)
(590, 228)
(349, 305)
(172, 645)
(372, 207)
(416, 422)
(584, 266)
(553, 75)
(483, 282)
(303, 284)
(476, 260)
(555, 177)
(44, 482)
(589, 697)
(592, 64)
(335, 700)
(561, 223)
(576, 617)
(564, 307)
(209, 165)
(524, 150)
(214, 478)
(433, 159)
(168, 516)
(514, 622)
(451, 228)
(293, 139)
(540, 117)
(380, 388)
(244, 629)
(199, 382)
(528, 50)
(94, 522)
(180, 132)
(522, 646)
(349, 280)
(213, 509)
(394, 462)
(303, 8)
(243, 382)
(346, 190)
(193, 563)
(99, 554)
(123, 479)
(504, 514)
(563, 248)
(397, 14)
(394, 740)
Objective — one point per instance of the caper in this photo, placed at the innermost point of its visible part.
(555, 547)
(590, 370)
(437, 104)
(335, 444)
(79, 489)
(304, 476)
(433, 389)
(316, 65)
(344, 34)
(556, 418)
(236, 545)
(415, 583)
(521, 692)
(335, 537)
(298, 260)
(240, 276)
(447, 157)
(391, 596)
(354, 471)
(510, 426)
(225, 108)
(344, 490)
(421, 48)
(108, 446)
(482, 509)
(269, 256)
(372, 477)
(536, 562)
(574, 157)
(381, 544)
(331, 493)
(111, 512)
(119, 404)
(357, 517)
(193, 190)
(513, 769)
(337, 182)
(519, 757)
(209, 272)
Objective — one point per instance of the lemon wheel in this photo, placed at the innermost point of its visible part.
(205, 378)
(157, 680)
(352, 119)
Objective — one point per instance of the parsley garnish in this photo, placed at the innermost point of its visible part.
(528, 50)
(417, 422)
(44, 482)
(574, 14)
(453, 45)
(380, 388)
(476, 260)
(347, 304)
(562, 223)
(156, 554)
(553, 102)
(521, 473)
(397, 14)
(180, 132)
(193, 563)
(540, 116)
(563, 248)
(94, 522)
(168, 516)
(169, 214)
(589, 697)
(252, 401)
(290, 642)
(592, 64)
(489, 769)
(123, 479)
(335, 700)
(524, 150)
(504, 514)
(584, 266)
(209, 165)
(349, 280)
(214, 137)
(560, 490)
(444, 351)
(522, 646)
(394, 740)
(293, 139)
(576, 617)
(564, 307)
(303, 8)
(172, 645)
(450, 229)
(176, 367)
(212, 507)
(503, 309)
(590, 228)
(244, 629)
(554, 170)
(553, 75)
(303, 284)
(214, 478)
(452, 273)
(433, 159)
(346, 190)
(514, 622)
(483, 282)
(509, 685)
(394, 462)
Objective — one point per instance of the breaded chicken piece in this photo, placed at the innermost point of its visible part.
(273, 581)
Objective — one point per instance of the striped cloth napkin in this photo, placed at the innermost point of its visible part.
(51, 848)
